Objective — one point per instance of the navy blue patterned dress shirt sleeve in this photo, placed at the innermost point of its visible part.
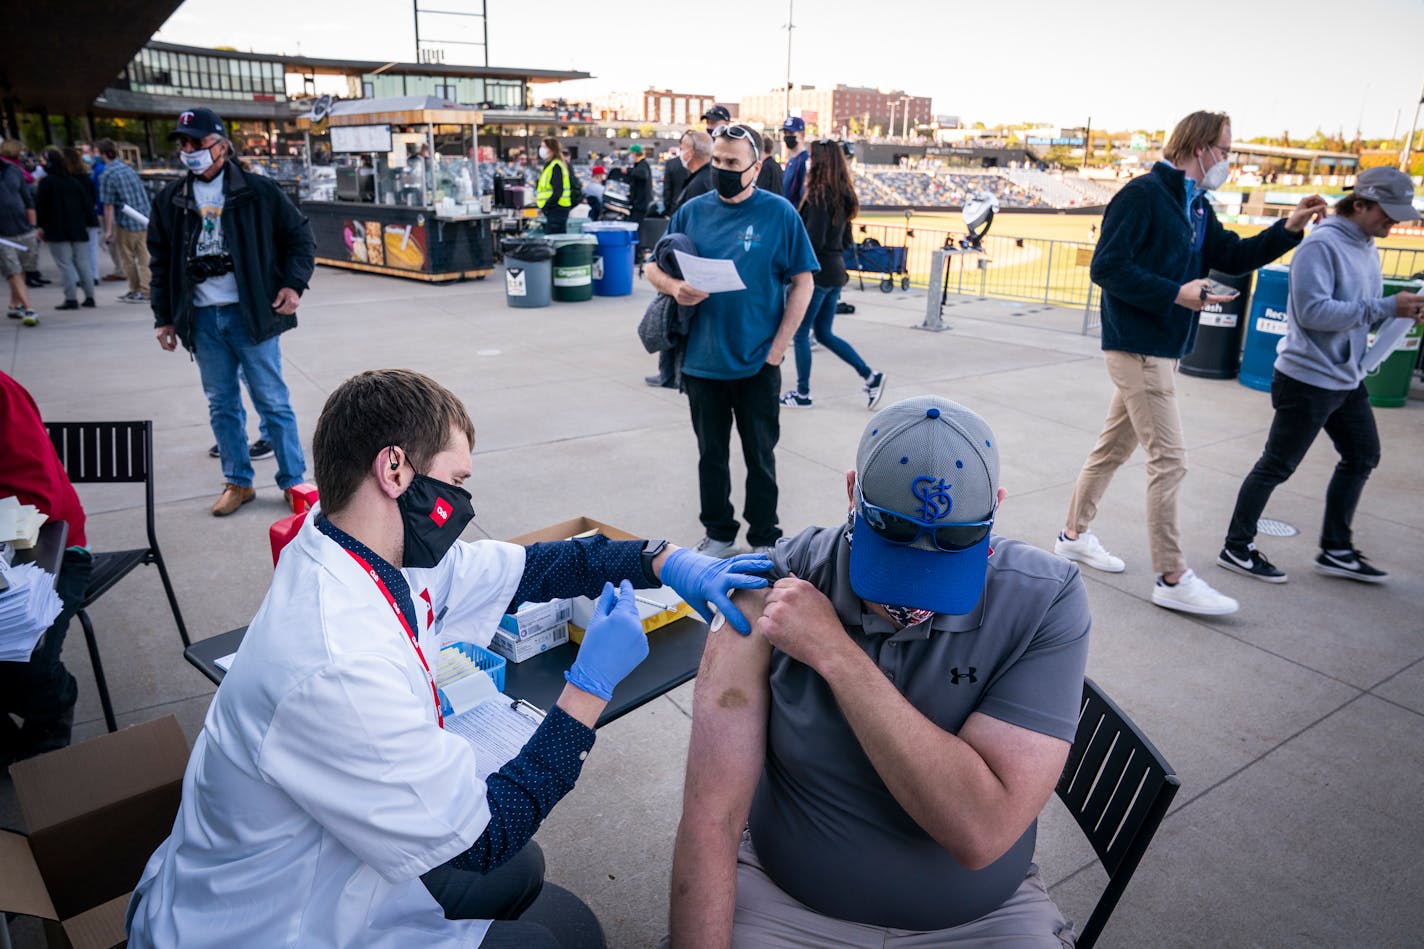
(579, 567)
(522, 793)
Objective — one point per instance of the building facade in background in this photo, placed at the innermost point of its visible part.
(664, 107)
(842, 110)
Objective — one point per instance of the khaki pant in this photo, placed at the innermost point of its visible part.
(133, 251)
(767, 918)
(1143, 411)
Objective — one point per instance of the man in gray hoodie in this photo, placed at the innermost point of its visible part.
(1336, 300)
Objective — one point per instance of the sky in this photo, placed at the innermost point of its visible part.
(1126, 64)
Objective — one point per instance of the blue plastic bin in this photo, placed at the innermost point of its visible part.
(486, 661)
(613, 258)
(1266, 328)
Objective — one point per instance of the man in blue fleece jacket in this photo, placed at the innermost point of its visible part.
(1160, 238)
(1336, 300)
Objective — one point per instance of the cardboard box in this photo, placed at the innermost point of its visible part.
(517, 650)
(652, 616)
(574, 527)
(96, 811)
(656, 608)
(535, 618)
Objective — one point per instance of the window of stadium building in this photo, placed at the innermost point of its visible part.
(163, 73)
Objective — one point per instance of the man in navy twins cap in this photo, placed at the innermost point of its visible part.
(231, 256)
(897, 718)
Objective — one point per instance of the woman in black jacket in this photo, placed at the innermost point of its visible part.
(64, 208)
(827, 207)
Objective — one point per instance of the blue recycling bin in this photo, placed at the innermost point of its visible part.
(613, 258)
(1266, 328)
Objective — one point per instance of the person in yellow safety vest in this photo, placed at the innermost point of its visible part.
(554, 194)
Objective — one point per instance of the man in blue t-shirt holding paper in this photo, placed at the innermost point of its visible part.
(732, 367)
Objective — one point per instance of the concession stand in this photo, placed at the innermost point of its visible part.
(401, 195)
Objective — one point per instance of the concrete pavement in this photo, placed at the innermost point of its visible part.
(1296, 725)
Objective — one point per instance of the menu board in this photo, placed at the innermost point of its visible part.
(361, 138)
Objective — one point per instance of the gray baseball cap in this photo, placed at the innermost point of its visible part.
(1391, 188)
(927, 474)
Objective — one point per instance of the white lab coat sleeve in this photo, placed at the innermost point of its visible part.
(358, 751)
(479, 580)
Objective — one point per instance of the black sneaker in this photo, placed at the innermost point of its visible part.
(1352, 565)
(874, 388)
(796, 400)
(214, 453)
(1250, 562)
(260, 449)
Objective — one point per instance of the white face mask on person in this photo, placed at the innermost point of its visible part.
(543, 153)
(197, 161)
(1215, 176)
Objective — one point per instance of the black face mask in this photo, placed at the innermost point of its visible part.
(790, 140)
(434, 514)
(728, 182)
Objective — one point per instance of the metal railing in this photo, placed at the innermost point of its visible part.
(1033, 269)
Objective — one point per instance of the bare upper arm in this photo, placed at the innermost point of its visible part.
(1027, 763)
(729, 714)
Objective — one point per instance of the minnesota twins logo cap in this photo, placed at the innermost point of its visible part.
(197, 123)
(936, 463)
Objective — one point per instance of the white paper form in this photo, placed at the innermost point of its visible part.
(1385, 340)
(496, 728)
(709, 274)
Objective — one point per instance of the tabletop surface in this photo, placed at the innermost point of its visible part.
(48, 551)
(674, 653)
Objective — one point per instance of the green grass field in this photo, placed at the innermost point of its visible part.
(1051, 266)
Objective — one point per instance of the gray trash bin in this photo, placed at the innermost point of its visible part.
(528, 271)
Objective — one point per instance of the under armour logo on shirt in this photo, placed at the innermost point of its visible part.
(955, 675)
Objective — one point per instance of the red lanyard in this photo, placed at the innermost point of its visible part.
(414, 642)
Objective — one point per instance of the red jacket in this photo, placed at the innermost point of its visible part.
(29, 467)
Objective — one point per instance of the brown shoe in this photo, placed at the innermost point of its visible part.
(233, 497)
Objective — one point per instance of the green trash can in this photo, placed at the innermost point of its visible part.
(1388, 384)
(573, 266)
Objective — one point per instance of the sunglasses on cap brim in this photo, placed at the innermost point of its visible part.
(739, 132)
(903, 530)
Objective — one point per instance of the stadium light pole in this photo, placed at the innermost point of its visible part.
(1404, 153)
(790, 25)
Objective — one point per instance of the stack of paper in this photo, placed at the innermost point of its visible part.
(495, 725)
(20, 523)
(28, 605)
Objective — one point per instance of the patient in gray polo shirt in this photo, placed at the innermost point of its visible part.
(867, 767)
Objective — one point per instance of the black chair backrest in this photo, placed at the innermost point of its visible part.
(1118, 787)
(103, 452)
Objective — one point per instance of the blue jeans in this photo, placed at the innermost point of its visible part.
(222, 345)
(819, 315)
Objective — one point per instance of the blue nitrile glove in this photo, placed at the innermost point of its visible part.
(705, 582)
(613, 644)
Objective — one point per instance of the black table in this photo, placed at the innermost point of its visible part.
(48, 551)
(674, 652)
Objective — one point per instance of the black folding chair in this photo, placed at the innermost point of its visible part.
(1118, 787)
(113, 453)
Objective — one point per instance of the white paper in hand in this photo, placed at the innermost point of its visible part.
(708, 274)
(1388, 337)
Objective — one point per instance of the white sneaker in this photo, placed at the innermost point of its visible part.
(709, 547)
(1192, 594)
(1086, 549)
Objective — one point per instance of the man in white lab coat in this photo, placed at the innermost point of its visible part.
(323, 786)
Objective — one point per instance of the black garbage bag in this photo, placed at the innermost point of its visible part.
(527, 249)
